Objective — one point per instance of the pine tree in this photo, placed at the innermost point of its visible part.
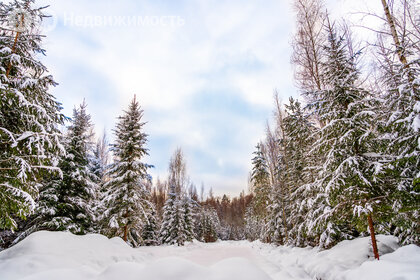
(173, 229)
(257, 214)
(275, 228)
(67, 203)
(208, 225)
(29, 114)
(300, 136)
(126, 195)
(100, 158)
(254, 226)
(348, 190)
(404, 128)
(400, 124)
(99, 162)
(178, 216)
(150, 231)
(189, 217)
(260, 179)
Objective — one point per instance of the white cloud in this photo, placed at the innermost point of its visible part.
(240, 47)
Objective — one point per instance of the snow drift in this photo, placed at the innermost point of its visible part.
(61, 255)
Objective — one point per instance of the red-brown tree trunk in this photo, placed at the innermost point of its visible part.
(125, 233)
(373, 237)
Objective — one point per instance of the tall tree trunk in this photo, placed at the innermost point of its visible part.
(125, 233)
(373, 237)
(394, 33)
(22, 19)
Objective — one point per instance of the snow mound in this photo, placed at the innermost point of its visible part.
(67, 254)
(348, 254)
(403, 264)
(348, 260)
(60, 255)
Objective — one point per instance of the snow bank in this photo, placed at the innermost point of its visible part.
(46, 255)
(350, 260)
(403, 264)
(60, 255)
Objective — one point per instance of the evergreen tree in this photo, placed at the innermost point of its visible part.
(178, 216)
(275, 226)
(189, 217)
(99, 162)
(126, 195)
(67, 203)
(346, 140)
(400, 122)
(150, 231)
(256, 214)
(300, 136)
(173, 229)
(208, 225)
(100, 158)
(29, 114)
(277, 229)
(254, 226)
(260, 179)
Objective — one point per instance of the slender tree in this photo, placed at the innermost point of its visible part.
(178, 212)
(173, 229)
(126, 195)
(308, 42)
(66, 203)
(300, 132)
(399, 64)
(150, 231)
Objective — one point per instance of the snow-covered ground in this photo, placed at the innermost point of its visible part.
(60, 255)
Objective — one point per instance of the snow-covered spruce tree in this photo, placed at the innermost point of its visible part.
(300, 133)
(173, 229)
(150, 231)
(399, 62)
(257, 212)
(275, 229)
(209, 224)
(178, 216)
(278, 227)
(66, 203)
(100, 158)
(254, 226)
(29, 114)
(260, 179)
(189, 216)
(346, 140)
(403, 169)
(99, 162)
(126, 197)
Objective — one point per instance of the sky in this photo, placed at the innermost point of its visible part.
(204, 73)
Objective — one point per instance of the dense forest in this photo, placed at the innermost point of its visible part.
(339, 162)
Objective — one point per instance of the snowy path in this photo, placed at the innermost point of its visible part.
(211, 254)
(60, 255)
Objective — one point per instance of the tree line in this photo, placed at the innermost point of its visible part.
(343, 160)
(71, 181)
